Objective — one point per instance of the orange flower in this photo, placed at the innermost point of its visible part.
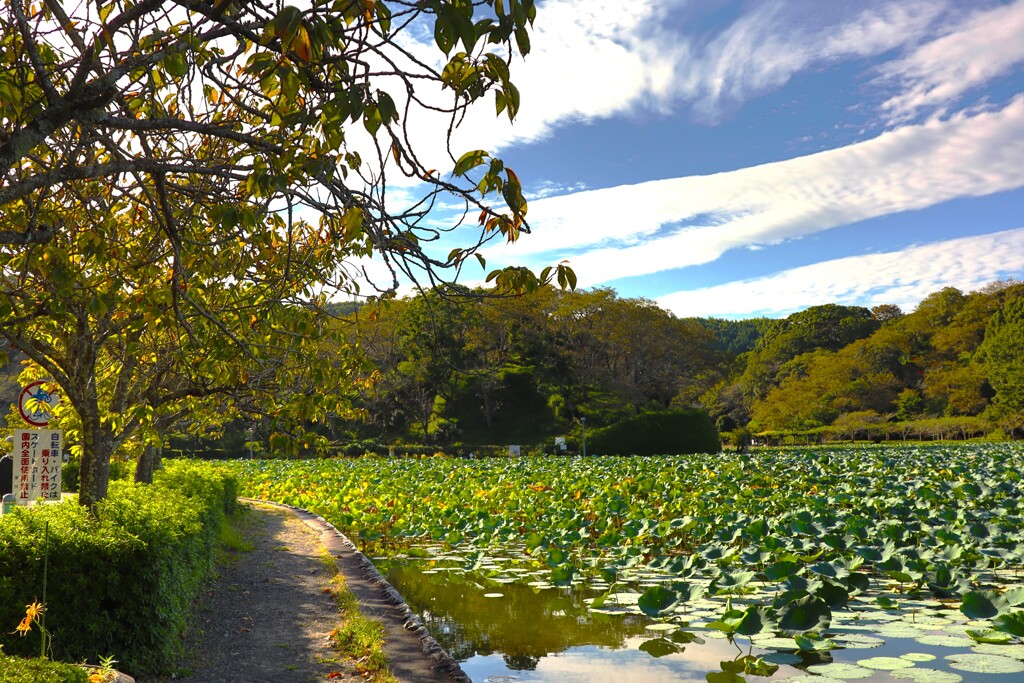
(32, 613)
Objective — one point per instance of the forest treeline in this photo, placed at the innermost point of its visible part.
(460, 371)
(462, 368)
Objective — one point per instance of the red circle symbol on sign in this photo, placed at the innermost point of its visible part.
(36, 404)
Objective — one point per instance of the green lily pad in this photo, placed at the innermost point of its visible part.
(989, 636)
(983, 604)
(775, 643)
(918, 657)
(783, 658)
(1014, 650)
(715, 635)
(857, 641)
(900, 631)
(657, 601)
(985, 664)
(885, 663)
(1012, 623)
(805, 614)
(923, 675)
(945, 641)
(841, 670)
(662, 627)
(659, 647)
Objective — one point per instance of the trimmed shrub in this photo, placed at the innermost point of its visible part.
(17, 670)
(669, 432)
(121, 583)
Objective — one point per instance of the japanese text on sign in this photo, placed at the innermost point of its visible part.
(38, 456)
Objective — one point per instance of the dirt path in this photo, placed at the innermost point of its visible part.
(266, 618)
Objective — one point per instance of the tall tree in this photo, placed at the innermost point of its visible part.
(1003, 354)
(212, 146)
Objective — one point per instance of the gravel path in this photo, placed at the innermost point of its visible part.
(267, 616)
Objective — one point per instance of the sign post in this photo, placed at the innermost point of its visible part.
(38, 453)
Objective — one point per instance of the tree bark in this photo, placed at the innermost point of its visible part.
(148, 463)
(94, 477)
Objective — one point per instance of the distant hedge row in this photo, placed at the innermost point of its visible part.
(121, 583)
(669, 432)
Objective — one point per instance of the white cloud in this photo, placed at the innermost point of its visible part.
(633, 230)
(591, 60)
(902, 277)
(766, 47)
(988, 44)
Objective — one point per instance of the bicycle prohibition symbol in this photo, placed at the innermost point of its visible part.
(36, 404)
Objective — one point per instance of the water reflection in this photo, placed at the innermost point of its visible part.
(536, 634)
(525, 625)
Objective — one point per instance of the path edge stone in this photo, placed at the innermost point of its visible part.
(440, 660)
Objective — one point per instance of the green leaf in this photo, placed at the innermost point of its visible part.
(983, 604)
(523, 41)
(562, 576)
(372, 119)
(175, 65)
(657, 601)
(659, 647)
(781, 570)
(388, 111)
(989, 636)
(470, 160)
(1012, 623)
(444, 31)
(757, 619)
(806, 614)
(812, 642)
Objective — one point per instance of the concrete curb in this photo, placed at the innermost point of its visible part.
(342, 548)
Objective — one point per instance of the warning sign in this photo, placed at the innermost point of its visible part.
(36, 403)
(38, 454)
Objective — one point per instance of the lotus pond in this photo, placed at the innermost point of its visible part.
(875, 564)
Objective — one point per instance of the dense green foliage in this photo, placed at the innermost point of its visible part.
(604, 506)
(520, 370)
(736, 336)
(18, 670)
(801, 539)
(676, 432)
(121, 582)
(184, 191)
(523, 370)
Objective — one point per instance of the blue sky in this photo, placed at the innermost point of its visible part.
(738, 158)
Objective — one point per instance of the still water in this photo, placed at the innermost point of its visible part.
(507, 631)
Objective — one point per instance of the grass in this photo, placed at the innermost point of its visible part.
(232, 536)
(357, 638)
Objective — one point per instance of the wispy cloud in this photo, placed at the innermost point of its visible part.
(763, 49)
(591, 60)
(901, 277)
(988, 44)
(547, 188)
(661, 225)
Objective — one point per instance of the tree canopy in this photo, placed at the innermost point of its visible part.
(185, 184)
(524, 369)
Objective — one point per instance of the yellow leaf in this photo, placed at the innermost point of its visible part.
(301, 45)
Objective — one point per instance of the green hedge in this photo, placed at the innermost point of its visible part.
(668, 432)
(122, 583)
(17, 670)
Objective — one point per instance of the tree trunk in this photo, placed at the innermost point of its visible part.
(148, 463)
(94, 476)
